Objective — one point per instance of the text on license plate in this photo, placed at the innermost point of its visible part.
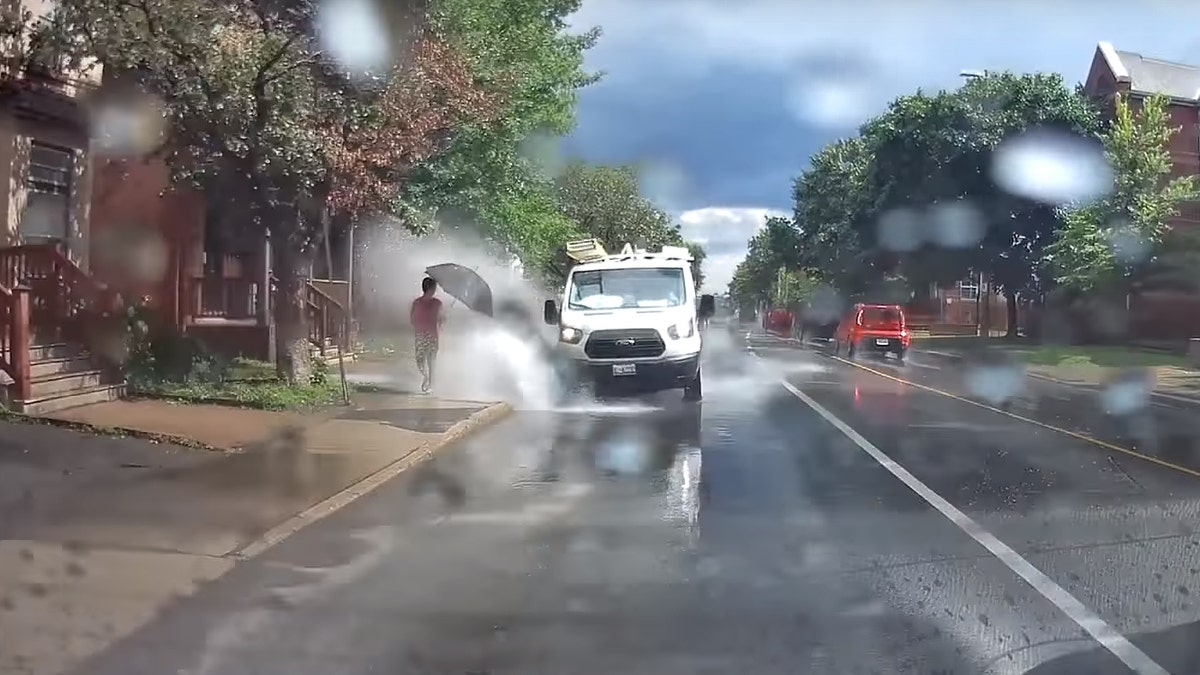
(882, 341)
(624, 369)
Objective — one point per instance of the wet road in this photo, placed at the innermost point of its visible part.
(851, 523)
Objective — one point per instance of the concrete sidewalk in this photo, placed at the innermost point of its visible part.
(97, 533)
(1172, 382)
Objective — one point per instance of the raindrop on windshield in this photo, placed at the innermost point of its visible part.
(835, 93)
(354, 33)
(1128, 246)
(957, 224)
(900, 230)
(1052, 167)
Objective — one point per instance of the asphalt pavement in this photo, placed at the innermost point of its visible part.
(810, 516)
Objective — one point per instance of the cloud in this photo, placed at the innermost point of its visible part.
(737, 96)
(726, 101)
(724, 232)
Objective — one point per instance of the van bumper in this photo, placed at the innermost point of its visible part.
(648, 376)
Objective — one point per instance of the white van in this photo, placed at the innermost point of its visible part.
(632, 320)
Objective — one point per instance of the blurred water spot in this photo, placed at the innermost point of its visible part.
(136, 254)
(995, 383)
(957, 224)
(544, 151)
(623, 454)
(355, 34)
(825, 306)
(126, 126)
(1128, 246)
(900, 230)
(1129, 392)
(834, 92)
(664, 183)
(1052, 167)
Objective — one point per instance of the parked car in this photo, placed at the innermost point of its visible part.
(879, 329)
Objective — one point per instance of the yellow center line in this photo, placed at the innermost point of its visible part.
(1073, 434)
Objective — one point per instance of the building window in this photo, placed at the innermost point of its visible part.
(47, 214)
(968, 290)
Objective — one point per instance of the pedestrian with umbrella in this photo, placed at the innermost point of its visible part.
(426, 316)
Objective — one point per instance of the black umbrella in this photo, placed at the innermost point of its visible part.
(463, 284)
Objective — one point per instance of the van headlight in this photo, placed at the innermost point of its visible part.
(570, 335)
(682, 330)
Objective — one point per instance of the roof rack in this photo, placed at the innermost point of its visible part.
(586, 250)
(591, 250)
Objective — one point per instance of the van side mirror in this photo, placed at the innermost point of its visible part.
(708, 306)
(550, 313)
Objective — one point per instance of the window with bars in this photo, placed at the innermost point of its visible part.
(48, 194)
(968, 290)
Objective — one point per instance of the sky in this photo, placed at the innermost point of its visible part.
(722, 102)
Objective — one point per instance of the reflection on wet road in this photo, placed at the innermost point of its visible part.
(747, 533)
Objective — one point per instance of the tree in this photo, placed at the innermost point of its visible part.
(775, 246)
(830, 207)
(932, 150)
(522, 50)
(1102, 246)
(791, 287)
(258, 114)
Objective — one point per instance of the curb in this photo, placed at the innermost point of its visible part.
(344, 497)
(112, 432)
(958, 358)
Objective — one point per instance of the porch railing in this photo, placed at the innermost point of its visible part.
(14, 340)
(327, 320)
(47, 298)
(64, 300)
(233, 298)
(217, 297)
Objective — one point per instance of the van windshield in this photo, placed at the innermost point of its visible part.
(647, 287)
(881, 317)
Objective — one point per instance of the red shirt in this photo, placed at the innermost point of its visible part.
(424, 315)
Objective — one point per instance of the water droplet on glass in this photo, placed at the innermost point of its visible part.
(1128, 392)
(957, 224)
(825, 306)
(900, 230)
(1052, 167)
(354, 33)
(836, 93)
(126, 126)
(995, 383)
(1128, 246)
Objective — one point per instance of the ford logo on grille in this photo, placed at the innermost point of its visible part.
(626, 342)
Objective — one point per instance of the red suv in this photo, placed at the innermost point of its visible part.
(872, 328)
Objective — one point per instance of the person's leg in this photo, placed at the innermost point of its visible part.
(432, 361)
(422, 354)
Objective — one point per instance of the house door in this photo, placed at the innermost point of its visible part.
(47, 216)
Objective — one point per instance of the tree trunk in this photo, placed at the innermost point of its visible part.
(1010, 305)
(293, 359)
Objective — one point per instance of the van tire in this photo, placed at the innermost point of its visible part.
(694, 391)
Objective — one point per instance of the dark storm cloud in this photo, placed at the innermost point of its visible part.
(729, 131)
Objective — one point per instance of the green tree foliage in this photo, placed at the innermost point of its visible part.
(522, 50)
(257, 114)
(927, 154)
(928, 151)
(605, 202)
(791, 287)
(831, 206)
(775, 246)
(1103, 246)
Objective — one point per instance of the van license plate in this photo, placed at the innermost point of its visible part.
(882, 342)
(624, 369)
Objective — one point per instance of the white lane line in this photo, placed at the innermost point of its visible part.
(1106, 635)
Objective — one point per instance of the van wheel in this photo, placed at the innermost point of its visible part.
(694, 391)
